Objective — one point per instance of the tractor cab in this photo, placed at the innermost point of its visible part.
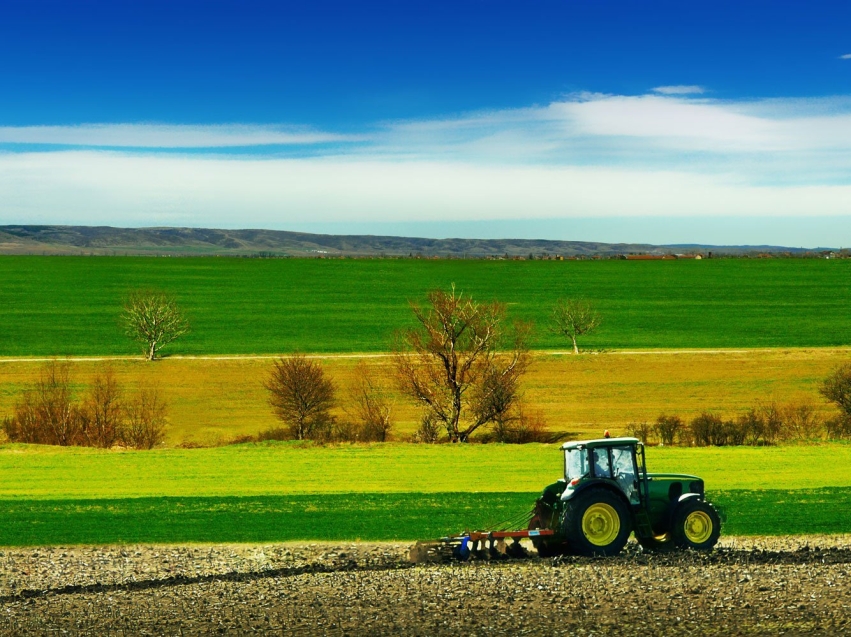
(619, 462)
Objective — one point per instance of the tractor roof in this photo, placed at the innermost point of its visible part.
(600, 442)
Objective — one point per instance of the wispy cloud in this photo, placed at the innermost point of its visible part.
(587, 155)
(847, 56)
(680, 89)
(167, 135)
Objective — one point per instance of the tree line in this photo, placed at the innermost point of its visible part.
(105, 416)
(462, 362)
(766, 424)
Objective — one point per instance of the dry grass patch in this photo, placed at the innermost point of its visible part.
(215, 401)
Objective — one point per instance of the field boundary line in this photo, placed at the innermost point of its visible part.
(378, 355)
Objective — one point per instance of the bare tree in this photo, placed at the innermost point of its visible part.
(103, 411)
(668, 428)
(369, 406)
(301, 396)
(46, 413)
(837, 389)
(572, 318)
(461, 363)
(154, 319)
(146, 418)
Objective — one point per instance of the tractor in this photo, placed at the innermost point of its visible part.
(606, 494)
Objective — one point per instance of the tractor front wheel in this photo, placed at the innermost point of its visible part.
(696, 525)
(597, 522)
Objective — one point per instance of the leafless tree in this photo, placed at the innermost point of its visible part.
(369, 406)
(461, 362)
(302, 397)
(154, 319)
(573, 318)
(668, 428)
(46, 413)
(837, 389)
(146, 416)
(103, 411)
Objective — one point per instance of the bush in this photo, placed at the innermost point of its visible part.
(428, 431)
(641, 430)
(523, 428)
(801, 422)
(668, 429)
(708, 430)
(145, 420)
(276, 433)
(371, 411)
(46, 413)
(838, 427)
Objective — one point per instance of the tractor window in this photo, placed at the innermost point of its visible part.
(576, 463)
(601, 463)
(624, 470)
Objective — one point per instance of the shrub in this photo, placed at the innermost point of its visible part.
(102, 412)
(145, 420)
(838, 427)
(370, 409)
(522, 428)
(668, 429)
(428, 431)
(641, 430)
(708, 430)
(802, 422)
(275, 433)
(46, 413)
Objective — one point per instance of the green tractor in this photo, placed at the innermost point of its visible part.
(606, 494)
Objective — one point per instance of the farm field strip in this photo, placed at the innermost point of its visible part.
(362, 517)
(49, 473)
(215, 400)
(70, 305)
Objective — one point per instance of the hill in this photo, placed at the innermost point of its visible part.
(106, 240)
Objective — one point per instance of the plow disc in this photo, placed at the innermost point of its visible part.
(481, 545)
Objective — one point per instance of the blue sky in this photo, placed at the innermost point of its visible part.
(611, 121)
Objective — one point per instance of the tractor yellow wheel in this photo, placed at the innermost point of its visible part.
(601, 524)
(698, 527)
(596, 521)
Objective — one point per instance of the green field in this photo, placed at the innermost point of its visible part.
(285, 491)
(70, 305)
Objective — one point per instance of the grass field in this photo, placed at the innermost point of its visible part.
(282, 491)
(217, 400)
(70, 305)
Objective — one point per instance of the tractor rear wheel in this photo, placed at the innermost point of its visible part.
(597, 522)
(696, 525)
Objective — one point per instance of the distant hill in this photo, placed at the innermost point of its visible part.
(105, 240)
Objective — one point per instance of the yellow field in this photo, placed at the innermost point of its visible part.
(216, 400)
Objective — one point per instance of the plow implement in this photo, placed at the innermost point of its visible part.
(482, 545)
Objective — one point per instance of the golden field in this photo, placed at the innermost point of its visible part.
(214, 400)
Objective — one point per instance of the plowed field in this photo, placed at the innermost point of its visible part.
(790, 585)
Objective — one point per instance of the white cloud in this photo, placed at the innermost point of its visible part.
(123, 189)
(588, 155)
(166, 135)
(847, 56)
(680, 89)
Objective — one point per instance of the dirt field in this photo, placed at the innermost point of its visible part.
(748, 586)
